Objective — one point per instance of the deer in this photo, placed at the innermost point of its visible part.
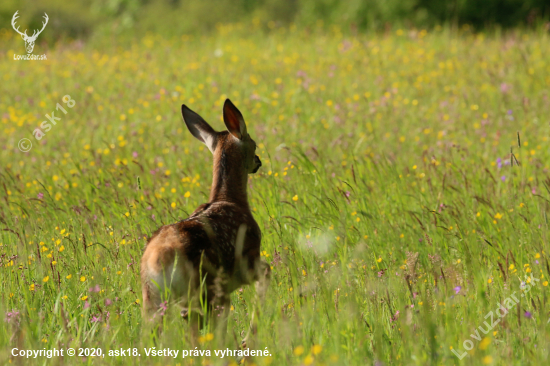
(29, 41)
(216, 250)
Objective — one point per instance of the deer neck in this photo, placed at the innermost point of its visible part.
(229, 181)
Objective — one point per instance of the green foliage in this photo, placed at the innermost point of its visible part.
(106, 18)
(506, 13)
(389, 210)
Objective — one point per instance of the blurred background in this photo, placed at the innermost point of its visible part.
(99, 18)
(386, 131)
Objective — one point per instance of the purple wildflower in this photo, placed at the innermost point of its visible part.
(108, 302)
(528, 315)
(503, 178)
(396, 316)
(40, 195)
(499, 163)
(12, 316)
(457, 289)
(96, 288)
(95, 319)
(163, 306)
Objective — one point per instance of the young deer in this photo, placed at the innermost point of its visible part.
(217, 249)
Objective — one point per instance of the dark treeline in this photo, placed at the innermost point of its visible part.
(83, 17)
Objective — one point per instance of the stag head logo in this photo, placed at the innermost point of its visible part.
(29, 40)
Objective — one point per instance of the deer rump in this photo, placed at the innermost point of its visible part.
(205, 248)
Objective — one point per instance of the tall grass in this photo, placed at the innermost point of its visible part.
(391, 215)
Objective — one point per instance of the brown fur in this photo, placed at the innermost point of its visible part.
(205, 245)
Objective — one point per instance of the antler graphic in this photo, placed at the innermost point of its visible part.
(15, 16)
(29, 41)
(43, 26)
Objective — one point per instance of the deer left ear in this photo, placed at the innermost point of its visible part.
(234, 120)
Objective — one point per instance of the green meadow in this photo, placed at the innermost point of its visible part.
(403, 196)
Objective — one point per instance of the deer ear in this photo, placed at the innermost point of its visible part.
(234, 120)
(199, 128)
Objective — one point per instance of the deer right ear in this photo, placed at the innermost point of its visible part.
(234, 120)
(199, 128)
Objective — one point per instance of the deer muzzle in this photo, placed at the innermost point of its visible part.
(257, 163)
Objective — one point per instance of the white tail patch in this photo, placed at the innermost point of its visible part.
(173, 281)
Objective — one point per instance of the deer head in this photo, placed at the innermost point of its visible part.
(29, 41)
(233, 150)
